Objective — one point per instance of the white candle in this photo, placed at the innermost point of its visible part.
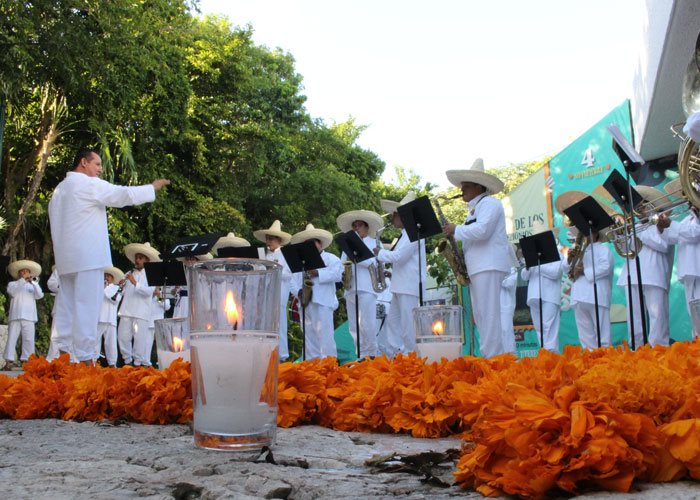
(435, 351)
(167, 357)
(233, 369)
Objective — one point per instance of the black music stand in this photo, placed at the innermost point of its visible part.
(540, 249)
(193, 246)
(587, 216)
(420, 222)
(170, 273)
(303, 257)
(239, 252)
(628, 199)
(356, 251)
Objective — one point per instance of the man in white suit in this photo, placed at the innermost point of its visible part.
(486, 250)
(78, 218)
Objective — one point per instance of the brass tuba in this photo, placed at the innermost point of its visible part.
(376, 268)
(453, 254)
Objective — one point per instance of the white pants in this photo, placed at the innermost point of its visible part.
(368, 322)
(586, 325)
(692, 292)
(107, 332)
(550, 316)
(400, 332)
(508, 339)
(26, 328)
(319, 332)
(485, 294)
(656, 304)
(283, 342)
(77, 310)
(133, 330)
(53, 347)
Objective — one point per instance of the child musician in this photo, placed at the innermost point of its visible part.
(107, 320)
(24, 291)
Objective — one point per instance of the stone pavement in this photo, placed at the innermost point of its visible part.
(73, 460)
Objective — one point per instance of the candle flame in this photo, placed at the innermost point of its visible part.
(439, 327)
(231, 309)
(178, 344)
(208, 326)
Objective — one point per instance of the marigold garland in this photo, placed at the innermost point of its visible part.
(572, 422)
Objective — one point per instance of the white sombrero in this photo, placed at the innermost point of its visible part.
(655, 197)
(390, 206)
(274, 230)
(372, 219)
(116, 273)
(144, 249)
(204, 256)
(14, 268)
(477, 175)
(673, 188)
(311, 233)
(228, 241)
(567, 199)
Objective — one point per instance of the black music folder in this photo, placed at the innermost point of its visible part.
(419, 219)
(303, 256)
(353, 247)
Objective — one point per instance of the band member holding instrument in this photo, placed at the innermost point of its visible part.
(320, 341)
(400, 332)
(686, 234)
(78, 217)
(24, 291)
(274, 239)
(364, 223)
(107, 321)
(486, 251)
(135, 311)
(655, 259)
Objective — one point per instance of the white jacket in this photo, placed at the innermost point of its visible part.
(323, 285)
(655, 259)
(404, 265)
(687, 235)
(137, 299)
(582, 288)
(78, 217)
(551, 282)
(108, 309)
(483, 236)
(364, 282)
(23, 299)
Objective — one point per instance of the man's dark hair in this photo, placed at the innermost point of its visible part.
(83, 153)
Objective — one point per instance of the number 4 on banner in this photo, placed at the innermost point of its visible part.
(588, 159)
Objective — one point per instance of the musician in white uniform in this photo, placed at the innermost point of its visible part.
(400, 331)
(78, 217)
(366, 224)
(107, 321)
(686, 234)
(274, 239)
(552, 273)
(508, 288)
(655, 259)
(486, 251)
(319, 330)
(135, 311)
(24, 291)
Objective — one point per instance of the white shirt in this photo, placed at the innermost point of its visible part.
(404, 265)
(364, 282)
(508, 287)
(23, 299)
(108, 309)
(324, 284)
(137, 299)
(687, 235)
(582, 288)
(655, 259)
(483, 236)
(551, 282)
(78, 217)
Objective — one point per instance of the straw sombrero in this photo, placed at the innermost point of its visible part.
(390, 206)
(373, 220)
(673, 188)
(477, 175)
(655, 197)
(204, 256)
(311, 233)
(14, 268)
(274, 230)
(228, 241)
(143, 248)
(116, 273)
(567, 199)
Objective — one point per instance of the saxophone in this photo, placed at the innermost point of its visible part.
(376, 268)
(453, 254)
(307, 290)
(575, 256)
(347, 275)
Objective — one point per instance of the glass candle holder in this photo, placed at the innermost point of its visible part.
(438, 332)
(172, 340)
(234, 324)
